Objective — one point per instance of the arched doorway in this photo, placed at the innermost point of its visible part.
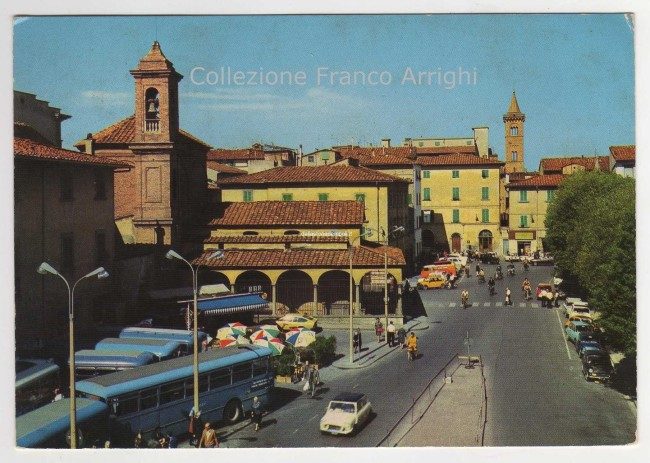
(213, 277)
(293, 289)
(455, 242)
(253, 281)
(372, 293)
(485, 240)
(334, 292)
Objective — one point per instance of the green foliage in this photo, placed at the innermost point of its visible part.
(591, 231)
(283, 363)
(324, 349)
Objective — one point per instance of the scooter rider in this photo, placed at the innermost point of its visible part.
(511, 269)
(526, 288)
(481, 276)
(491, 286)
(464, 298)
(478, 269)
(412, 346)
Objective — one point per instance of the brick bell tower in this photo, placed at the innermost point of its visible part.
(156, 130)
(513, 122)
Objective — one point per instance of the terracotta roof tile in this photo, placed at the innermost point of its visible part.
(548, 165)
(30, 149)
(371, 151)
(23, 130)
(457, 160)
(265, 239)
(541, 181)
(243, 154)
(123, 132)
(224, 168)
(332, 174)
(301, 258)
(442, 150)
(290, 213)
(623, 152)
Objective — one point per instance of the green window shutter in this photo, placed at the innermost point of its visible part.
(409, 199)
(323, 196)
(550, 194)
(485, 193)
(455, 194)
(427, 194)
(455, 215)
(325, 156)
(287, 196)
(485, 173)
(523, 196)
(455, 174)
(523, 221)
(248, 196)
(360, 197)
(426, 174)
(485, 215)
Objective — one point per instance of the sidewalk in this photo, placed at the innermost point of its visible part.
(373, 351)
(455, 417)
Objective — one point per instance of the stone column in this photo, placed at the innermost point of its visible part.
(357, 305)
(315, 310)
(273, 299)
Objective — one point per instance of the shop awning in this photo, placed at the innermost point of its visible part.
(236, 303)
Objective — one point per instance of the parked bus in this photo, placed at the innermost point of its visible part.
(162, 349)
(49, 426)
(184, 337)
(161, 394)
(36, 380)
(89, 363)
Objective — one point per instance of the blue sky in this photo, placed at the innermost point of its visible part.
(574, 76)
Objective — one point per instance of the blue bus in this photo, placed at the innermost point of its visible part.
(36, 380)
(89, 363)
(161, 394)
(49, 426)
(161, 348)
(186, 338)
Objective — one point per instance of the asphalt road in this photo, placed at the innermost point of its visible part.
(536, 393)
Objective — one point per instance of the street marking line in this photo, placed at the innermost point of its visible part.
(522, 304)
(499, 304)
(440, 305)
(487, 304)
(566, 343)
(315, 416)
(452, 304)
(534, 305)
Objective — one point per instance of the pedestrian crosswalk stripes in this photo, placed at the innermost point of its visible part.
(442, 305)
(487, 304)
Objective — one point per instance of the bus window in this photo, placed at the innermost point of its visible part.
(125, 405)
(241, 372)
(171, 392)
(148, 398)
(260, 367)
(189, 385)
(220, 378)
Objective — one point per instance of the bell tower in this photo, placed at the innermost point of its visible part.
(513, 122)
(156, 98)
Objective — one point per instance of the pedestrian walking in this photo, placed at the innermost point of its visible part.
(356, 339)
(256, 412)
(390, 334)
(379, 329)
(508, 297)
(208, 437)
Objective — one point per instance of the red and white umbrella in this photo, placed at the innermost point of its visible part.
(276, 345)
(265, 333)
(233, 341)
(231, 329)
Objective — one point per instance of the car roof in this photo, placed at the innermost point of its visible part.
(349, 397)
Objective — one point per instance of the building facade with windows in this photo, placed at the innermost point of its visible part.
(622, 159)
(64, 216)
(460, 202)
(257, 158)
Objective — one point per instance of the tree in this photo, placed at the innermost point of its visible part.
(591, 231)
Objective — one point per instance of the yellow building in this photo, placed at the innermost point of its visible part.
(529, 200)
(460, 202)
(384, 196)
(298, 254)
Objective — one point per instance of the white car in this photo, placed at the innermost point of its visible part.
(574, 305)
(461, 259)
(346, 412)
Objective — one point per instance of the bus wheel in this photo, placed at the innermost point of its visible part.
(232, 412)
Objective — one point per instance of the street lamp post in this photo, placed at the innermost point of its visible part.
(366, 233)
(45, 269)
(171, 254)
(395, 230)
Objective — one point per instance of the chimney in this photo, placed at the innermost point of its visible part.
(353, 162)
(385, 142)
(89, 144)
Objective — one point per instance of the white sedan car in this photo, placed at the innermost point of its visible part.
(346, 412)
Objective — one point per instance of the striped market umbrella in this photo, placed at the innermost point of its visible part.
(231, 329)
(268, 333)
(276, 345)
(301, 338)
(233, 341)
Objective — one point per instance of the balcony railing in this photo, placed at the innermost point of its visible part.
(151, 125)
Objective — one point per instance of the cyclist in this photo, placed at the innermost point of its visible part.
(491, 286)
(464, 298)
(526, 288)
(412, 346)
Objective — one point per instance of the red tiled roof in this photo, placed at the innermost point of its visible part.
(540, 181)
(557, 164)
(23, 130)
(623, 152)
(123, 132)
(332, 174)
(442, 150)
(244, 154)
(224, 168)
(265, 239)
(292, 213)
(388, 160)
(25, 148)
(457, 160)
(371, 151)
(301, 258)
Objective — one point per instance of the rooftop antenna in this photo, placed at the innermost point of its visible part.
(156, 22)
